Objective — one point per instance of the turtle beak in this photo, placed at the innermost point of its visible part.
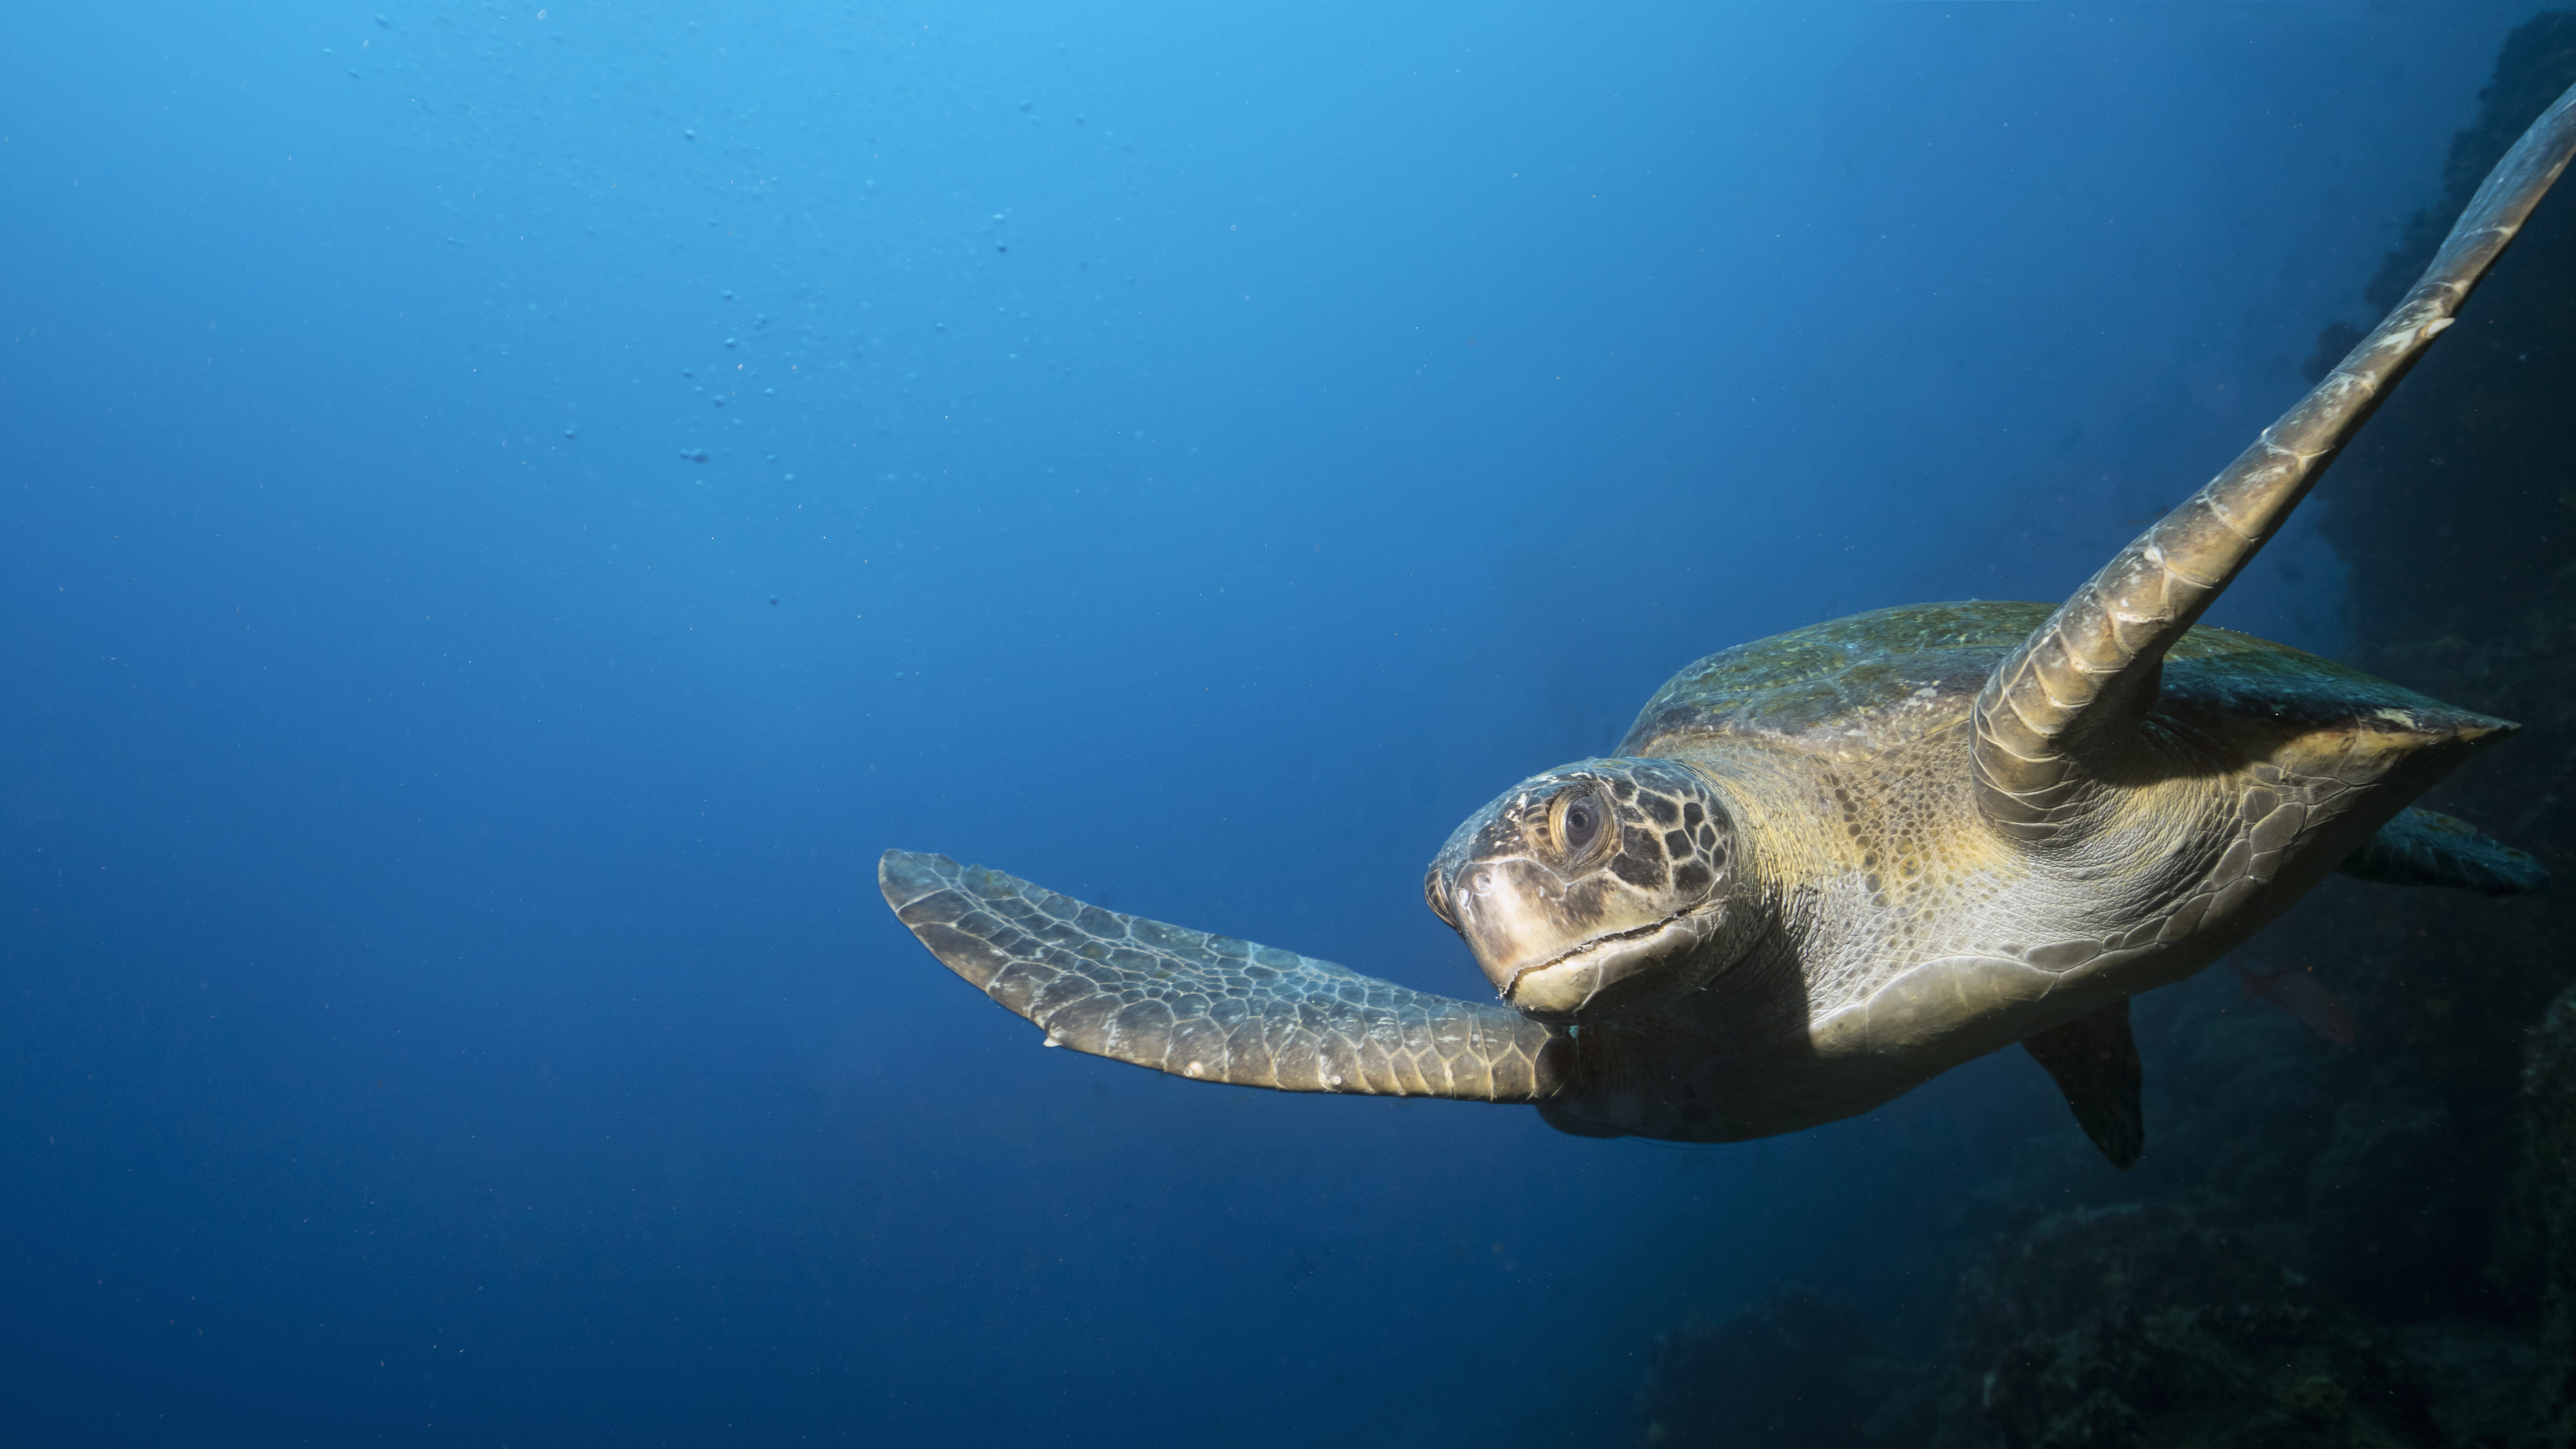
(1512, 914)
(1551, 961)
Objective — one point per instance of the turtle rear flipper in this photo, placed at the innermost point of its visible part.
(2423, 848)
(1212, 1008)
(2094, 1059)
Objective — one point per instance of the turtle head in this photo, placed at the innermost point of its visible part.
(1597, 887)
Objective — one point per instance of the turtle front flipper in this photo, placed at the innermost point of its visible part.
(2424, 848)
(1212, 1008)
(2063, 704)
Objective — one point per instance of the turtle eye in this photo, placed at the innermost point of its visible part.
(1579, 826)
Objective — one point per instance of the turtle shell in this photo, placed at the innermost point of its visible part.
(1852, 689)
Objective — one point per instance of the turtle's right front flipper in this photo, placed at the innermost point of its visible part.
(1212, 1008)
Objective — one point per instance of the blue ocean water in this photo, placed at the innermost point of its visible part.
(509, 509)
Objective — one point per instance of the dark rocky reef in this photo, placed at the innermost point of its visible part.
(2549, 1101)
(1797, 1371)
(2160, 1324)
(2483, 426)
(2372, 1246)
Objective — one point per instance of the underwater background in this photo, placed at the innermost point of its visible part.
(509, 509)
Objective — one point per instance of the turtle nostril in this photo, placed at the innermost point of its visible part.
(1481, 882)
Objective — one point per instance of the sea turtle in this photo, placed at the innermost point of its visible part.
(1824, 867)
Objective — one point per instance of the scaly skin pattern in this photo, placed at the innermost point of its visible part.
(1906, 934)
(1208, 1007)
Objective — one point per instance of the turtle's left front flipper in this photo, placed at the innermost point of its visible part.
(1212, 1008)
(2059, 710)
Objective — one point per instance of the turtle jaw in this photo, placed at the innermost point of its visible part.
(1641, 966)
(1595, 944)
